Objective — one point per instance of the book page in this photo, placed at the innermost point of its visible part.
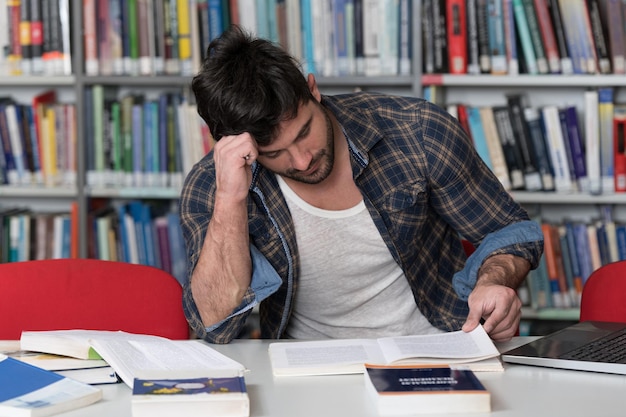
(323, 357)
(454, 347)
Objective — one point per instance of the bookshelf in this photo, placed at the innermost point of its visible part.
(484, 90)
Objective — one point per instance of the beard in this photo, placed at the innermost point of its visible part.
(325, 158)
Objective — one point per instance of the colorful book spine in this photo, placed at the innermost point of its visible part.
(619, 148)
(592, 141)
(521, 23)
(577, 147)
(605, 120)
(554, 138)
(535, 36)
(497, 43)
(535, 130)
(559, 33)
(457, 36)
(548, 36)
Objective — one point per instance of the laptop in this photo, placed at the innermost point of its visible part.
(588, 346)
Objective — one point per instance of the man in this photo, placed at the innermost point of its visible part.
(341, 215)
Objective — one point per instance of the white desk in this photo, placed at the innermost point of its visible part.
(520, 391)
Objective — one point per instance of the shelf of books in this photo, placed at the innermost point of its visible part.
(537, 84)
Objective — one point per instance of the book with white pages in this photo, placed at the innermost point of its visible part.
(136, 355)
(473, 350)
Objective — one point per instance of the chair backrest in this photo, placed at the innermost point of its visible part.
(92, 294)
(604, 294)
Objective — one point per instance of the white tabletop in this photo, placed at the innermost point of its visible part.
(518, 391)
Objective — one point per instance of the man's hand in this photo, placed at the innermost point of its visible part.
(499, 306)
(233, 157)
(494, 297)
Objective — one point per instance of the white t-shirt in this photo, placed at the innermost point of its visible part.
(349, 284)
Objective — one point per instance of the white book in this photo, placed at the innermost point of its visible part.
(496, 154)
(18, 176)
(371, 37)
(563, 181)
(348, 356)
(592, 141)
(247, 16)
(294, 28)
(389, 35)
(134, 355)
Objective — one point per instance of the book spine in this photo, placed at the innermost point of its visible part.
(25, 37)
(439, 28)
(184, 38)
(559, 33)
(158, 18)
(478, 135)
(510, 147)
(554, 138)
(573, 36)
(144, 57)
(510, 38)
(600, 37)
(428, 37)
(605, 120)
(405, 37)
(576, 145)
(535, 36)
(105, 57)
(619, 148)
(547, 35)
(497, 44)
(532, 177)
(14, 57)
(36, 36)
(535, 130)
(90, 37)
(457, 36)
(482, 15)
(496, 153)
(612, 19)
(473, 55)
(521, 24)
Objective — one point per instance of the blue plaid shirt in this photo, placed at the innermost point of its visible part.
(423, 184)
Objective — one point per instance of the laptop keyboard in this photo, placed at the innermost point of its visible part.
(609, 349)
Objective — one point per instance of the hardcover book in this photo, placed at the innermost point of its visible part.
(425, 390)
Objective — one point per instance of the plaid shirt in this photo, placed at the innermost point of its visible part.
(423, 184)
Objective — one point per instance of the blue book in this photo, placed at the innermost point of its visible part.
(583, 251)
(148, 235)
(123, 235)
(136, 212)
(177, 247)
(478, 134)
(162, 138)
(429, 389)
(308, 46)
(28, 390)
(497, 44)
(216, 26)
(620, 231)
(576, 146)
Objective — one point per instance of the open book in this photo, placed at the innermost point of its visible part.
(473, 350)
(135, 355)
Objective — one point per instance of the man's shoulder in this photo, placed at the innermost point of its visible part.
(367, 99)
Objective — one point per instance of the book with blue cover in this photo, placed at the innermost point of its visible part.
(410, 390)
(35, 392)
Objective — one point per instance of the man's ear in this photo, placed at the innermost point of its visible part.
(313, 87)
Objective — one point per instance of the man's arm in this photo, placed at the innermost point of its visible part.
(494, 297)
(223, 272)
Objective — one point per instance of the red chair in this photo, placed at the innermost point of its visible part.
(604, 294)
(61, 294)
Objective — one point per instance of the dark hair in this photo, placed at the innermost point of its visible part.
(248, 84)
